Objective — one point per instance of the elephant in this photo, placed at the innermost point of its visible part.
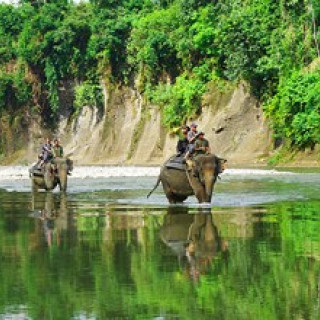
(197, 177)
(51, 174)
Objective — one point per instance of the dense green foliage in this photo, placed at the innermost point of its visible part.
(170, 50)
(88, 94)
(295, 109)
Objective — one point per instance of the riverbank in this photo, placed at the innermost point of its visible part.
(301, 160)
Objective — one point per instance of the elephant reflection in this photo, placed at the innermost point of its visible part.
(194, 237)
(53, 213)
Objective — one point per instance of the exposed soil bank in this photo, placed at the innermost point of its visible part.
(130, 132)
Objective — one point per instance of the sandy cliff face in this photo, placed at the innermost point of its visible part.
(127, 132)
(235, 126)
(130, 132)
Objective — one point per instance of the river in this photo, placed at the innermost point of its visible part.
(105, 251)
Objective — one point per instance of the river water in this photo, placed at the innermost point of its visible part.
(105, 251)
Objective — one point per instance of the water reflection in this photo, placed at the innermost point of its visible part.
(63, 258)
(194, 238)
(53, 213)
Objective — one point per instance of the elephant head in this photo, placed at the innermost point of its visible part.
(63, 167)
(49, 177)
(202, 174)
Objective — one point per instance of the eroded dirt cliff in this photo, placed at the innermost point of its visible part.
(130, 132)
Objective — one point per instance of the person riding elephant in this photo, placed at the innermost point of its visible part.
(182, 145)
(46, 153)
(47, 150)
(192, 133)
(57, 149)
(201, 145)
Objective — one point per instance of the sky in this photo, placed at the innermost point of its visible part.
(8, 1)
(16, 1)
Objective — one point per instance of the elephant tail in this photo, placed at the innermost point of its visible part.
(155, 187)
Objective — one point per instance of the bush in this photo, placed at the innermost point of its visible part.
(88, 94)
(295, 110)
(15, 91)
(179, 101)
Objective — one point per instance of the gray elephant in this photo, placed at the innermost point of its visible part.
(52, 174)
(180, 180)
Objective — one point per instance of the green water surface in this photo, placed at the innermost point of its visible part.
(69, 257)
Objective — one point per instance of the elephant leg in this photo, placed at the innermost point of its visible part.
(174, 198)
(200, 195)
(168, 192)
(34, 186)
(178, 198)
(198, 189)
(63, 181)
(63, 186)
(170, 197)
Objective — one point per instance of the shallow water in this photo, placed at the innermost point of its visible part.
(105, 251)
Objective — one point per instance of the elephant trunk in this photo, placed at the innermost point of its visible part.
(209, 180)
(63, 179)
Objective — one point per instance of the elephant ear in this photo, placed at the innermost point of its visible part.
(221, 164)
(69, 164)
(49, 176)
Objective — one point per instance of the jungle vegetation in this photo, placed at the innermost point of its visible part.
(169, 50)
